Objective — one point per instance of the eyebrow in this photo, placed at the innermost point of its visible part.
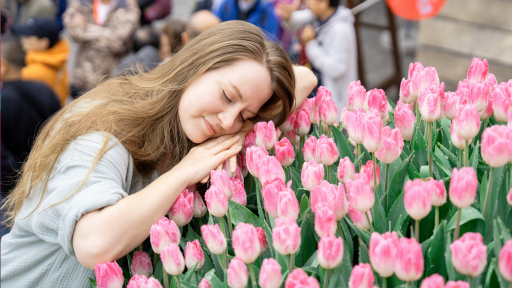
(241, 97)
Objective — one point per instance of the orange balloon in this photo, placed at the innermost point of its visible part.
(415, 9)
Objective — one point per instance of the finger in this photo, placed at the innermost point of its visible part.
(228, 153)
(215, 141)
(232, 164)
(205, 179)
(219, 168)
(225, 145)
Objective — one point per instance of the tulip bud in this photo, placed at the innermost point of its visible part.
(392, 145)
(328, 110)
(285, 153)
(376, 99)
(505, 262)
(326, 151)
(288, 205)
(245, 242)
(478, 70)
(418, 199)
(496, 147)
(299, 278)
(286, 236)
(172, 259)
(194, 254)
(214, 238)
(312, 174)
(220, 179)
(294, 139)
(457, 141)
(330, 251)
(262, 239)
(265, 134)
(469, 254)
(182, 210)
(287, 126)
(109, 275)
(414, 67)
(466, 122)
(359, 218)
(162, 233)
(372, 131)
(269, 169)
(367, 171)
(405, 91)
(434, 281)
(430, 102)
(458, 284)
(302, 123)
(360, 195)
(270, 274)
(356, 95)
(332, 195)
(382, 252)
(216, 201)
(405, 120)
(270, 193)
(344, 117)
(141, 264)
(254, 157)
(509, 197)
(204, 284)
(309, 148)
(450, 104)
(239, 194)
(355, 125)
(438, 192)
(409, 260)
(463, 185)
(501, 104)
(361, 276)
(325, 220)
(141, 281)
(346, 170)
(420, 80)
(237, 273)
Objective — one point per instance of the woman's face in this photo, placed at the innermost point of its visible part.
(218, 101)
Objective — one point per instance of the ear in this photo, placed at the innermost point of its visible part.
(184, 37)
(45, 42)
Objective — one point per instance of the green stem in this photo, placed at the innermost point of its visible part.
(417, 114)
(222, 226)
(328, 169)
(229, 224)
(437, 218)
(457, 226)
(470, 280)
(253, 278)
(359, 155)
(466, 158)
(140, 247)
(292, 261)
(289, 172)
(384, 282)
(374, 173)
(460, 159)
(369, 222)
(386, 185)
(417, 231)
(200, 224)
(339, 228)
(326, 278)
(166, 280)
(197, 278)
(510, 184)
(429, 128)
(407, 284)
(488, 192)
(221, 257)
(320, 129)
(288, 260)
(302, 140)
(178, 279)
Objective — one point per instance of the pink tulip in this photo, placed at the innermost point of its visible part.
(265, 134)
(372, 131)
(376, 99)
(478, 70)
(434, 281)
(382, 252)
(344, 117)
(469, 254)
(299, 279)
(220, 179)
(162, 233)
(312, 174)
(330, 251)
(302, 123)
(457, 141)
(496, 147)
(242, 163)
(458, 284)
(254, 157)
(488, 111)
(239, 195)
(367, 171)
(450, 104)
(501, 104)
(109, 275)
(409, 260)
(509, 197)
(294, 139)
(466, 122)
(262, 240)
(505, 262)
(270, 274)
(359, 194)
(430, 102)
(199, 206)
(326, 151)
(237, 273)
(287, 126)
(270, 195)
(355, 125)
(463, 185)
(346, 170)
(269, 169)
(418, 199)
(141, 264)
(325, 220)
(245, 242)
(359, 218)
(285, 153)
(332, 195)
(405, 120)
(141, 281)
(414, 67)
(286, 236)
(356, 95)
(405, 91)
(214, 238)
(309, 148)
(420, 80)
(182, 210)
(438, 192)
(328, 110)
(308, 105)
(392, 145)
(172, 259)
(204, 284)
(194, 254)
(361, 276)
(249, 141)
(479, 95)
(216, 201)
(288, 205)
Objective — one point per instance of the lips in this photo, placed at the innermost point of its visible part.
(209, 126)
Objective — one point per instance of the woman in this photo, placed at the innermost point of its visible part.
(68, 217)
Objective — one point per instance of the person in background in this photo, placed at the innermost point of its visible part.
(152, 10)
(22, 10)
(46, 54)
(27, 105)
(171, 38)
(103, 30)
(61, 6)
(198, 23)
(258, 12)
(330, 41)
(209, 5)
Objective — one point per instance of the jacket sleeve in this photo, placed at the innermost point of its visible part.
(272, 23)
(298, 19)
(331, 57)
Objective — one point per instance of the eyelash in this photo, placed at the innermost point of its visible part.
(229, 101)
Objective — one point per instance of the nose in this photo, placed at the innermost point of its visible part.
(228, 118)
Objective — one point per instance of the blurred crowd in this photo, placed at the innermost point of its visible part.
(113, 38)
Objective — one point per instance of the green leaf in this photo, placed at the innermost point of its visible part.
(508, 223)
(397, 182)
(420, 147)
(448, 256)
(312, 261)
(439, 163)
(397, 211)
(216, 283)
(347, 239)
(185, 284)
(342, 145)
(189, 273)
(503, 282)
(469, 215)
(473, 162)
(379, 216)
(436, 252)
(359, 159)
(129, 257)
(92, 283)
(308, 243)
(425, 245)
(483, 189)
(497, 240)
(304, 204)
(241, 214)
(296, 178)
(449, 154)
(363, 252)
(159, 274)
(424, 171)
(364, 235)
(505, 232)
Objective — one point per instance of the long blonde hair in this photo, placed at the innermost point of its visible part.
(141, 110)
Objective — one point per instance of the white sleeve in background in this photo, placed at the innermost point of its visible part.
(298, 19)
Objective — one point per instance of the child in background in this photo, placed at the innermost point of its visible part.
(46, 54)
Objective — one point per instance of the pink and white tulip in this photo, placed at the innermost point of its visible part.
(312, 174)
(220, 179)
(420, 80)
(382, 252)
(360, 195)
(418, 199)
(245, 242)
(298, 279)
(254, 156)
(478, 70)
(194, 254)
(469, 254)
(405, 91)
(309, 148)
(162, 233)
(265, 134)
(262, 240)
(285, 153)
(496, 146)
(239, 195)
(237, 273)
(346, 170)
(288, 124)
(199, 206)
(214, 238)
(325, 220)
(458, 141)
(356, 95)
(286, 236)
(249, 141)
(141, 264)
(430, 102)
(466, 122)
(172, 259)
(376, 99)
(501, 103)
(344, 117)
(405, 120)
(269, 169)
(141, 281)
(204, 284)
(367, 171)
(434, 281)
(328, 110)
(330, 251)
(326, 151)
(409, 262)
(463, 185)
(457, 284)
(302, 123)
(109, 275)
(355, 121)
(270, 274)
(288, 205)
(450, 104)
(292, 137)
(182, 210)
(438, 192)
(216, 201)
(479, 95)
(270, 195)
(361, 276)
(392, 145)
(414, 67)
(505, 261)
(359, 218)
(372, 131)
(488, 111)
(333, 196)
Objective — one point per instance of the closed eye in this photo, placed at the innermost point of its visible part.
(229, 101)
